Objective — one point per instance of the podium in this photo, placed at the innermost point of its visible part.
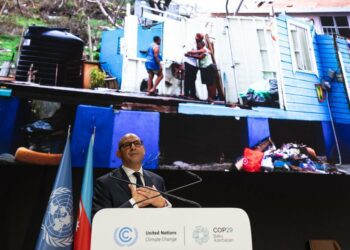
(171, 228)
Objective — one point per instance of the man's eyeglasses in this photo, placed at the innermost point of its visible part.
(127, 145)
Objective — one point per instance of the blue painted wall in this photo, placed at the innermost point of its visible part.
(300, 89)
(146, 126)
(88, 117)
(110, 127)
(145, 38)
(344, 141)
(110, 58)
(256, 135)
(338, 96)
(8, 114)
(329, 61)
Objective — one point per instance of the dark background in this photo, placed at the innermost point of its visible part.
(285, 209)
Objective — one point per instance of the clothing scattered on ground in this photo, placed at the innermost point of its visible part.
(290, 157)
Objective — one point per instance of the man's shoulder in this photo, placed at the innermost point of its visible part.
(153, 175)
(108, 177)
(104, 178)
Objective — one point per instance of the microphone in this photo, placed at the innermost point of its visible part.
(199, 179)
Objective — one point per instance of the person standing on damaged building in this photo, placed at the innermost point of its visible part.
(207, 68)
(153, 65)
(191, 69)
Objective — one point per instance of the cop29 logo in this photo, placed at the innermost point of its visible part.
(200, 235)
(125, 236)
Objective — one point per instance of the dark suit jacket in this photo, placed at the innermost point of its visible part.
(112, 193)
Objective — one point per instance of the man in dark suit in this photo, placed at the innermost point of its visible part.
(110, 192)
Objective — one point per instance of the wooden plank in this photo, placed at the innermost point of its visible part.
(308, 100)
(86, 96)
(308, 108)
(338, 94)
(342, 46)
(282, 29)
(300, 83)
(286, 58)
(337, 109)
(286, 66)
(310, 77)
(346, 60)
(345, 54)
(284, 44)
(329, 60)
(300, 91)
(325, 56)
(324, 51)
(337, 89)
(324, 37)
(327, 47)
(283, 37)
(338, 100)
(281, 20)
(292, 115)
(330, 65)
(341, 115)
(322, 43)
(342, 41)
(342, 121)
(344, 67)
(259, 112)
(286, 52)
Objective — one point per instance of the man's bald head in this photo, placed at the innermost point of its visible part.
(126, 137)
(131, 151)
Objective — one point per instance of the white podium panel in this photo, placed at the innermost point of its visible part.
(171, 228)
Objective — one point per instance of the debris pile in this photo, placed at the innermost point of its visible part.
(290, 157)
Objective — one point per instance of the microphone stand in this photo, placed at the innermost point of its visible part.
(167, 193)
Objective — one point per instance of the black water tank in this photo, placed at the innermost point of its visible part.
(55, 55)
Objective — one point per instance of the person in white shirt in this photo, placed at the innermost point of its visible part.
(191, 70)
(206, 67)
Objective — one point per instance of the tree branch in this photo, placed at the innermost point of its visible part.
(19, 7)
(3, 7)
(104, 12)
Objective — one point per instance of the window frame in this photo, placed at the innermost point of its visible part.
(271, 69)
(309, 40)
(335, 26)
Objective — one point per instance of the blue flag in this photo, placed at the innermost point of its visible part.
(57, 226)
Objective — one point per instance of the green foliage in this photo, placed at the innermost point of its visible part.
(97, 78)
(96, 34)
(20, 21)
(8, 46)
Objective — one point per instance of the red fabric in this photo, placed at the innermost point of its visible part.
(82, 235)
(252, 160)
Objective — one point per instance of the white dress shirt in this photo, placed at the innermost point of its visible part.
(188, 59)
(132, 178)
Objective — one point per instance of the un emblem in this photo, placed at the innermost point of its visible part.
(58, 223)
(125, 236)
(200, 235)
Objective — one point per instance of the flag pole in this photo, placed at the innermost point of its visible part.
(69, 128)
